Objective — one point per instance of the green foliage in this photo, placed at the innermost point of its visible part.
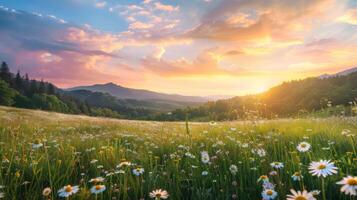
(6, 94)
(286, 100)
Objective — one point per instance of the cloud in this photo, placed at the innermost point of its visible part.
(140, 25)
(350, 17)
(165, 7)
(100, 4)
(251, 20)
(204, 64)
(61, 52)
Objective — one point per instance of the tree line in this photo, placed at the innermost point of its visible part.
(20, 91)
(290, 99)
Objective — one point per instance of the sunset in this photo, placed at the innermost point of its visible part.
(178, 99)
(201, 47)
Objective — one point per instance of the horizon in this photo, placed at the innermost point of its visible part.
(196, 48)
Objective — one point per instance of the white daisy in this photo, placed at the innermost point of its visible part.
(124, 163)
(349, 185)
(269, 194)
(68, 190)
(322, 168)
(315, 192)
(159, 194)
(97, 180)
(138, 171)
(233, 169)
(298, 195)
(204, 157)
(97, 189)
(277, 165)
(303, 147)
(37, 144)
(297, 176)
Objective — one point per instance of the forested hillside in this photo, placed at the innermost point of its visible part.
(21, 91)
(288, 99)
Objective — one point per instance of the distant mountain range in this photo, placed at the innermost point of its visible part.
(121, 92)
(342, 73)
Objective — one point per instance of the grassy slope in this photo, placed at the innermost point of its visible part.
(74, 141)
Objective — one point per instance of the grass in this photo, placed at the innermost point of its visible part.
(77, 148)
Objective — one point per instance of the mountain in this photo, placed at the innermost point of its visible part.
(121, 92)
(106, 100)
(342, 73)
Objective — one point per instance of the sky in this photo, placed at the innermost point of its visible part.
(191, 47)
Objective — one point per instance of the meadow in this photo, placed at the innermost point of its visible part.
(48, 155)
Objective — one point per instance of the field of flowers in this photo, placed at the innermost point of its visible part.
(55, 156)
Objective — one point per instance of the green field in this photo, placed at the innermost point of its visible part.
(41, 149)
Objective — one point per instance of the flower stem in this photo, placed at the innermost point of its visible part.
(323, 189)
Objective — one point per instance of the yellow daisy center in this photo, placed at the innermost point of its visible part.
(352, 181)
(300, 198)
(263, 177)
(297, 174)
(303, 145)
(98, 187)
(68, 188)
(269, 192)
(322, 166)
(158, 195)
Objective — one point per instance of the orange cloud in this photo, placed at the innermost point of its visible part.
(277, 20)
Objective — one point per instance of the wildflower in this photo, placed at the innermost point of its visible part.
(204, 173)
(269, 194)
(277, 165)
(17, 174)
(297, 176)
(298, 195)
(263, 178)
(159, 194)
(303, 147)
(93, 161)
(2, 195)
(97, 180)
(273, 173)
(268, 186)
(345, 132)
(37, 144)
(349, 185)
(204, 157)
(138, 171)
(97, 189)
(233, 169)
(124, 163)
(46, 192)
(260, 152)
(212, 123)
(67, 191)
(322, 168)
(315, 192)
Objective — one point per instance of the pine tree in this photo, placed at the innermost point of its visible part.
(5, 73)
(27, 85)
(33, 88)
(19, 83)
(51, 89)
(42, 87)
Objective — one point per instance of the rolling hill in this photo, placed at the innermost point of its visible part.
(121, 92)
